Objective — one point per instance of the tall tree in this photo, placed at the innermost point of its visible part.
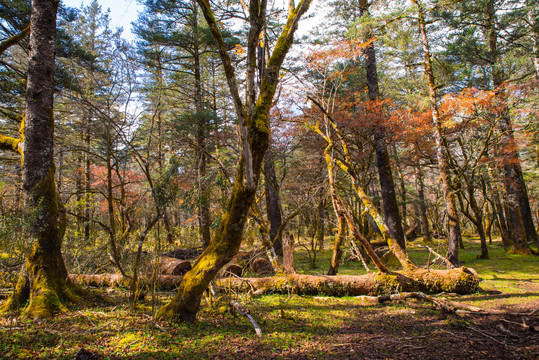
(44, 279)
(387, 185)
(442, 152)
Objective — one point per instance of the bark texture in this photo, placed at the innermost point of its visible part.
(273, 203)
(392, 215)
(44, 279)
(442, 152)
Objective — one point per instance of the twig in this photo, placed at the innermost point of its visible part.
(485, 335)
(87, 317)
(243, 311)
(154, 323)
(523, 325)
(438, 256)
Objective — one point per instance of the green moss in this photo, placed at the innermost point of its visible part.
(44, 304)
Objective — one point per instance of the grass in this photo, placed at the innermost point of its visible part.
(293, 326)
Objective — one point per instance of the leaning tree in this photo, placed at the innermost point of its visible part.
(253, 116)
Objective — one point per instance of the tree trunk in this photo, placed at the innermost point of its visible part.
(163, 282)
(273, 202)
(44, 281)
(203, 183)
(389, 200)
(320, 223)
(87, 180)
(288, 254)
(442, 151)
(534, 21)
(422, 205)
(515, 188)
(172, 266)
(459, 281)
(254, 125)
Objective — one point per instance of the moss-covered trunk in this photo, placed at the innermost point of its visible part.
(254, 125)
(460, 281)
(44, 279)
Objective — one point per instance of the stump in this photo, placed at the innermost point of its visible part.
(173, 266)
(261, 266)
(230, 269)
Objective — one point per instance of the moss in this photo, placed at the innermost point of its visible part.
(44, 304)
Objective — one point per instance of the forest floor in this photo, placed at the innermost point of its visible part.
(301, 327)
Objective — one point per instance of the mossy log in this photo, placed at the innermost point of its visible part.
(163, 282)
(173, 266)
(459, 281)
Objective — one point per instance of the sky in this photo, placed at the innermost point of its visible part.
(122, 12)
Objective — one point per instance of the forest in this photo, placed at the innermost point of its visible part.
(301, 179)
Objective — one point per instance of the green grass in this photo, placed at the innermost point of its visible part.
(293, 326)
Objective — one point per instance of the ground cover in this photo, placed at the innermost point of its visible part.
(297, 327)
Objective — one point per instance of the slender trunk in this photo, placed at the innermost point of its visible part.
(476, 216)
(498, 210)
(389, 200)
(339, 212)
(87, 181)
(321, 223)
(273, 203)
(534, 21)
(203, 183)
(442, 151)
(113, 248)
(422, 204)
(166, 216)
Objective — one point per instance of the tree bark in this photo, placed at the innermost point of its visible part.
(273, 202)
(204, 221)
(387, 185)
(422, 205)
(442, 152)
(44, 280)
(288, 254)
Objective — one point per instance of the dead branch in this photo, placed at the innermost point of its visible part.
(243, 311)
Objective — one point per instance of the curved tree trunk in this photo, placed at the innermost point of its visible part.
(254, 125)
(44, 280)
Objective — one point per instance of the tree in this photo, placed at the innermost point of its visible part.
(442, 151)
(254, 125)
(497, 30)
(44, 279)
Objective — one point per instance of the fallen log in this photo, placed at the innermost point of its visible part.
(459, 281)
(261, 266)
(173, 266)
(163, 282)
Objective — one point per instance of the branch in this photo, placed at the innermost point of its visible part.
(14, 40)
